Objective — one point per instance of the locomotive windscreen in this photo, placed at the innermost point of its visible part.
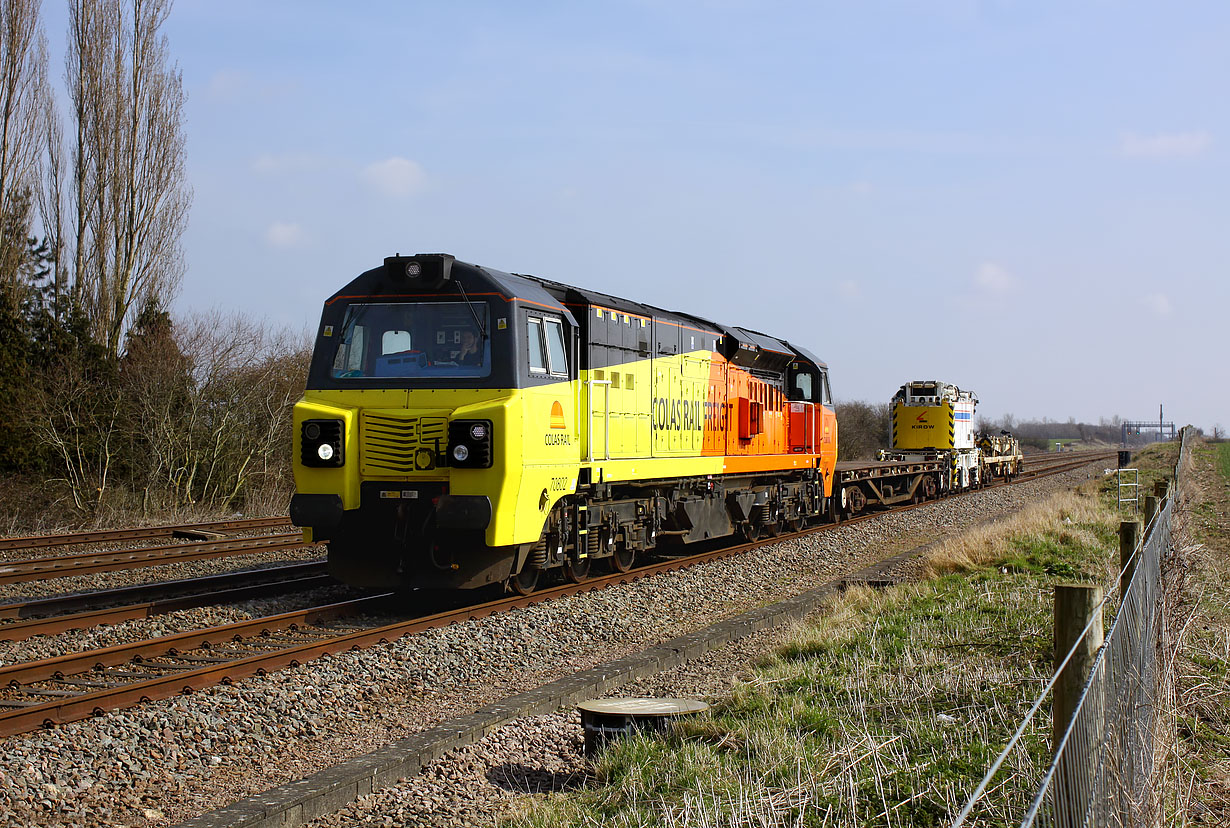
(413, 339)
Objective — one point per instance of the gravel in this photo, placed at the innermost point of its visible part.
(165, 761)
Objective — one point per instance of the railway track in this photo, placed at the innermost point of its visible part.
(189, 531)
(76, 686)
(49, 616)
(87, 563)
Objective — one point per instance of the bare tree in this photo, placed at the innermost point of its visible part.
(129, 190)
(23, 100)
(51, 204)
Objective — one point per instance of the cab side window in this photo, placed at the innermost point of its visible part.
(538, 360)
(826, 396)
(547, 351)
(803, 387)
(556, 352)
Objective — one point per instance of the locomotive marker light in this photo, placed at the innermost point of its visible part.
(325, 452)
(426, 270)
(461, 453)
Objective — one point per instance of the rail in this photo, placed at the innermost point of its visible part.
(39, 569)
(149, 532)
(79, 685)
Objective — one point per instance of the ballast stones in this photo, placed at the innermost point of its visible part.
(606, 719)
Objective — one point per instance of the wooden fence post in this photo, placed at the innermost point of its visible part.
(1150, 513)
(1129, 537)
(1161, 488)
(1075, 606)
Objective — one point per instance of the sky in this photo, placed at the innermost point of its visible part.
(1027, 199)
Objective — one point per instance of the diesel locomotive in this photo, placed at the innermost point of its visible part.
(463, 426)
(934, 420)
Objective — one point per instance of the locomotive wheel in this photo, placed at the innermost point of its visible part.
(576, 571)
(773, 529)
(795, 525)
(525, 581)
(751, 531)
(622, 558)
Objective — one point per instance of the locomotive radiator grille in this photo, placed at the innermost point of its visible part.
(390, 443)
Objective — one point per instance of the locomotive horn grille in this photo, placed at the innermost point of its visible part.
(391, 443)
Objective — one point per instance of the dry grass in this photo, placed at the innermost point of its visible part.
(884, 709)
(1194, 709)
(1066, 518)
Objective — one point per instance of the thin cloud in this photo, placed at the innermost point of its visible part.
(1165, 145)
(848, 289)
(1158, 303)
(395, 177)
(231, 86)
(226, 84)
(292, 162)
(285, 234)
(993, 278)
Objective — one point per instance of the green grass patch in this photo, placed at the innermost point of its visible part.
(1223, 459)
(1156, 462)
(885, 709)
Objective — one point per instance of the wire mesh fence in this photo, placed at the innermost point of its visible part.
(1103, 760)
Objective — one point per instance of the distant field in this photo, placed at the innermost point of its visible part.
(1223, 459)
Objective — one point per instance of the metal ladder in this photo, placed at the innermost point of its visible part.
(1129, 488)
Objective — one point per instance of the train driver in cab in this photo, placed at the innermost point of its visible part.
(469, 353)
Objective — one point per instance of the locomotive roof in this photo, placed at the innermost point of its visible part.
(573, 295)
(381, 282)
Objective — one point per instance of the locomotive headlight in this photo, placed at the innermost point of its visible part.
(470, 444)
(413, 270)
(322, 444)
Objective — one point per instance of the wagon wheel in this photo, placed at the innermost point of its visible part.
(751, 531)
(525, 581)
(858, 500)
(795, 525)
(576, 571)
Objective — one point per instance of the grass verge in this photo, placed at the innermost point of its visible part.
(884, 709)
(1198, 764)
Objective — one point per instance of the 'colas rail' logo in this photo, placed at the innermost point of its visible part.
(557, 422)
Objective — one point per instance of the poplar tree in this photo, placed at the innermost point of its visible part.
(128, 189)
